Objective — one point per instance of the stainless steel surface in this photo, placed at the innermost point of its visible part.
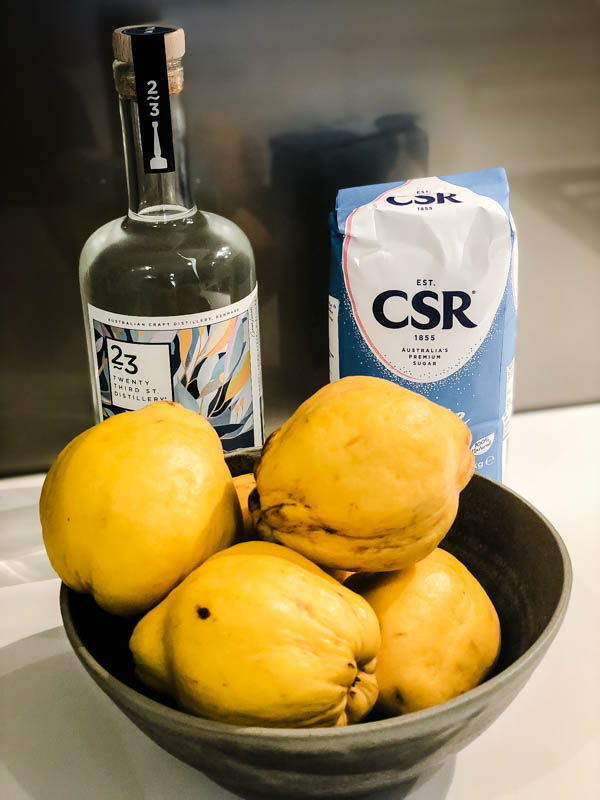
(286, 102)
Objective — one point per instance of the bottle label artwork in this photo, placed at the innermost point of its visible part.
(208, 362)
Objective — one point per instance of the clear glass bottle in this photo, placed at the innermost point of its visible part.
(168, 291)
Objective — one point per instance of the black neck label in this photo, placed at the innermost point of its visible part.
(152, 89)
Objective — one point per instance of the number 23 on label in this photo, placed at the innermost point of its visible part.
(116, 355)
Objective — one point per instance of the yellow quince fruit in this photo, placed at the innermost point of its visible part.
(244, 485)
(134, 504)
(364, 476)
(440, 633)
(258, 635)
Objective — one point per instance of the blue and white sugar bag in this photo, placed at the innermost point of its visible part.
(423, 292)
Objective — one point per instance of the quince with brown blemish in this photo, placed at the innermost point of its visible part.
(364, 476)
(259, 635)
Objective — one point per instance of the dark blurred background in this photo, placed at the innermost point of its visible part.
(286, 102)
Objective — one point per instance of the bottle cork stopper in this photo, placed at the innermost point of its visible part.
(121, 40)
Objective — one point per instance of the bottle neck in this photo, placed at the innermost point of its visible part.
(153, 196)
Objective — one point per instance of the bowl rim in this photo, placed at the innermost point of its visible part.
(416, 720)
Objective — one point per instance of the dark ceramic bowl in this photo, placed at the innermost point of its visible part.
(513, 551)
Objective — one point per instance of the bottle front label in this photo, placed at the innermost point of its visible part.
(208, 362)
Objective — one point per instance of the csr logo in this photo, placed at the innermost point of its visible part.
(423, 199)
(433, 313)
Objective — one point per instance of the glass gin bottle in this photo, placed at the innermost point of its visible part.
(169, 292)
